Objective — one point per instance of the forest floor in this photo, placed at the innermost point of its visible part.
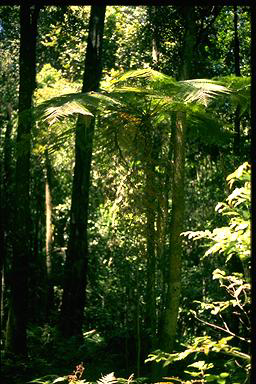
(51, 357)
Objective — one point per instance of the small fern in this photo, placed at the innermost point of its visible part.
(107, 379)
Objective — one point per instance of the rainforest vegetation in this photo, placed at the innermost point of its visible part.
(125, 199)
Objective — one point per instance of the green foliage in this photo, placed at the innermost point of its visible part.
(76, 378)
(223, 62)
(147, 89)
(229, 241)
(234, 238)
(48, 76)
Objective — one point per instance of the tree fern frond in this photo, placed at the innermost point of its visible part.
(233, 82)
(146, 73)
(206, 128)
(241, 87)
(195, 90)
(108, 379)
(58, 107)
(55, 114)
(203, 90)
(127, 89)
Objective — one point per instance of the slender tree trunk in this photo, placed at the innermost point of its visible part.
(152, 195)
(17, 323)
(176, 227)
(155, 38)
(2, 237)
(152, 145)
(150, 315)
(153, 14)
(237, 138)
(6, 211)
(37, 282)
(48, 233)
(178, 201)
(77, 253)
(163, 259)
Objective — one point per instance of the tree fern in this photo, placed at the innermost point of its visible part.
(132, 95)
(197, 90)
(157, 85)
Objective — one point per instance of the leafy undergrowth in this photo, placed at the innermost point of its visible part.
(51, 357)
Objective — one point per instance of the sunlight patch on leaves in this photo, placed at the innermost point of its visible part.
(55, 114)
(107, 379)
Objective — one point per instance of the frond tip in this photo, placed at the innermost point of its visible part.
(55, 114)
(203, 90)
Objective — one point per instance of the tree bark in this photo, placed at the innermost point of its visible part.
(152, 12)
(176, 227)
(153, 144)
(178, 201)
(150, 314)
(37, 281)
(17, 323)
(6, 217)
(48, 233)
(73, 302)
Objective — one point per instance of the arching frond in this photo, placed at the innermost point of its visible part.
(55, 114)
(241, 91)
(144, 73)
(160, 85)
(58, 107)
(203, 90)
(206, 128)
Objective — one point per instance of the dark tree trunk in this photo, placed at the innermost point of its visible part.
(237, 138)
(6, 212)
(37, 282)
(73, 302)
(18, 312)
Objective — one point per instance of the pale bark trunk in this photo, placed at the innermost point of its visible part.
(48, 218)
(150, 318)
(168, 333)
(176, 227)
(48, 233)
